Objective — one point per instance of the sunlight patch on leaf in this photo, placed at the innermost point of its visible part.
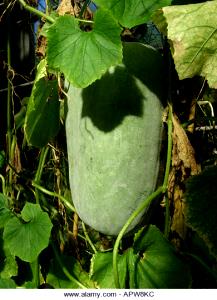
(84, 56)
(130, 13)
(192, 32)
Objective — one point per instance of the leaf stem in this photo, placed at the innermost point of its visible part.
(36, 11)
(9, 133)
(35, 272)
(39, 171)
(45, 191)
(65, 271)
(167, 171)
(88, 238)
(3, 184)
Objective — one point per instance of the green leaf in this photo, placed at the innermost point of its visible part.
(5, 212)
(153, 262)
(132, 12)
(42, 117)
(7, 284)
(84, 56)
(101, 270)
(10, 267)
(26, 238)
(192, 32)
(58, 279)
(201, 206)
(8, 264)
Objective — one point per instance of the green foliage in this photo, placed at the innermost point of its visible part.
(150, 263)
(28, 236)
(77, 277)
(130, 13)
(154, 263)
(201, 206)
(5, 212)
(42, 116)
(101, 270)
(83, 56)
(191, 30)
(8, 264)
(7, 284)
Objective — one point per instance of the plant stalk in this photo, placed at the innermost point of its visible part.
(47, 192)
(36, 11)
(39, 171)
(3, 184)
(88, 238)
(65, 271)
(9, 131)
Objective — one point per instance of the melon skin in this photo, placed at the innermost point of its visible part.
(114, 131)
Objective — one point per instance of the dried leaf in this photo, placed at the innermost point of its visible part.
(65, 7)
(184, 165)
(185, 155)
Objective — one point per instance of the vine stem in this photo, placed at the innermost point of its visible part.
(88, 238)
(39, 171)
(161, 190)
(36, 11)
(45, 191)
(9, 133)
(44, 15)
(65, 271)
(3, 184)
(167, 171)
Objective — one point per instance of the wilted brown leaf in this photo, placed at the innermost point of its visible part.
(66, 7)
(183, 165)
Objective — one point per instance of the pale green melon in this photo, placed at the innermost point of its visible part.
(114, 130)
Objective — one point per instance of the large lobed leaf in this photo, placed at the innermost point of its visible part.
(84, 56)
(192, 32)
(26, 238)
(130, 13)
(152, 262)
